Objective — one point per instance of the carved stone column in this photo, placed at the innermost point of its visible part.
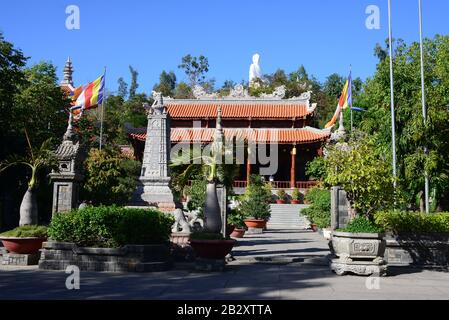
(153, 186)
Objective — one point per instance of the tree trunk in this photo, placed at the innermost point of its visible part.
(28, 208)
(212, 211)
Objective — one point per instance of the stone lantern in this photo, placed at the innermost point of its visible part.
(67, 179)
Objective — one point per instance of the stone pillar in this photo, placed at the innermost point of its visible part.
(293, 168)
(339, 208)
(153, 187)
(67, 179)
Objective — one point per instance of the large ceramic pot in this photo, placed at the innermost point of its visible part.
(23, 245)
(238, 233)
(295, 202)
(212, 211)
(256, 223)
(358, 245)
(212, 249)
(279, 201)
(229, 229)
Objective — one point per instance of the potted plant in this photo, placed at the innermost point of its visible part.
(254, 204)
(26, 239)
(237, 219)
(37, 160)
(359, 168)
(281, 196)
(318, 212)
(297, 196)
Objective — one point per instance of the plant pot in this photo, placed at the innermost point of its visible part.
(23, 245)
(295, 202)
(358, 245)
(229, 229)
(212, 249)
(238, 233)
(280, 201)
(255, 223)
(314, 227)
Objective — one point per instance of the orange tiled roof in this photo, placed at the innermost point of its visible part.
(296, 135)
(238, 109)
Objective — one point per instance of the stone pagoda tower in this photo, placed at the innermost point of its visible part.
(153, 188)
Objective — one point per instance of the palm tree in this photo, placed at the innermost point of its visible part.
(211, 165)
(36, 160)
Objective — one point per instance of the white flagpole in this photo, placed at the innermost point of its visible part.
(102, 108)
(350, 83)
(393, 121)
(423, 101)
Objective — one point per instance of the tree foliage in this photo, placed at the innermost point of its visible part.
(363, 172)
(110, 177)
(412, 135)
(195, 68)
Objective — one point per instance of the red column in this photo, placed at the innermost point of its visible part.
(293, 168)
(248, 166)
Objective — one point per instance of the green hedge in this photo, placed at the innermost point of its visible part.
(361, 224)
(400, 221)
(111, 226)
(319, 211)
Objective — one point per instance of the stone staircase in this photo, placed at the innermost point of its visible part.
(286, 216)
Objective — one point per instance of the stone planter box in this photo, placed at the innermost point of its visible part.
(422, 250)
(129, 258)
(358, 245)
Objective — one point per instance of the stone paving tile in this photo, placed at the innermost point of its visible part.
(243, 279)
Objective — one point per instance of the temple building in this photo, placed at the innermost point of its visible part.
(268, 119)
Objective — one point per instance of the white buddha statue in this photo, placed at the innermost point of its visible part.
(254, 70)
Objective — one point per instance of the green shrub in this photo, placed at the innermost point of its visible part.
(254, 202)
(27, 231)
(319, 211)
(361, 224)
(400, 221)
(237, 218)
(297, 195)
(111, 226)
(197, 197)
(281, 194)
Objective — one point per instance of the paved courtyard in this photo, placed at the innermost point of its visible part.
(279, 264)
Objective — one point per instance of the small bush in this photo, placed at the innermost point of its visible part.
(362, 224)
(400, 221)
(319, 211)
(254, 202)
(297, 195)
(281, 194)
(237, 218)
(111, 226)
(26, 232)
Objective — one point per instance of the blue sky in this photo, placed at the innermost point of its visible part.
(325, 36)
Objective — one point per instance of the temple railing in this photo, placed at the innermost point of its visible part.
(275, 184)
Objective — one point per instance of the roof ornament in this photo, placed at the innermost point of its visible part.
(239, 92)
(200, 93)
(278, 93)
(158, 105)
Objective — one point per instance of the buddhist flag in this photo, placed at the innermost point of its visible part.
(343, 103)
(92, 95)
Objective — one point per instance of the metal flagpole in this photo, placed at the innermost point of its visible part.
(393, 121)
(350, 90)
(423, 100)
(102, 108)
